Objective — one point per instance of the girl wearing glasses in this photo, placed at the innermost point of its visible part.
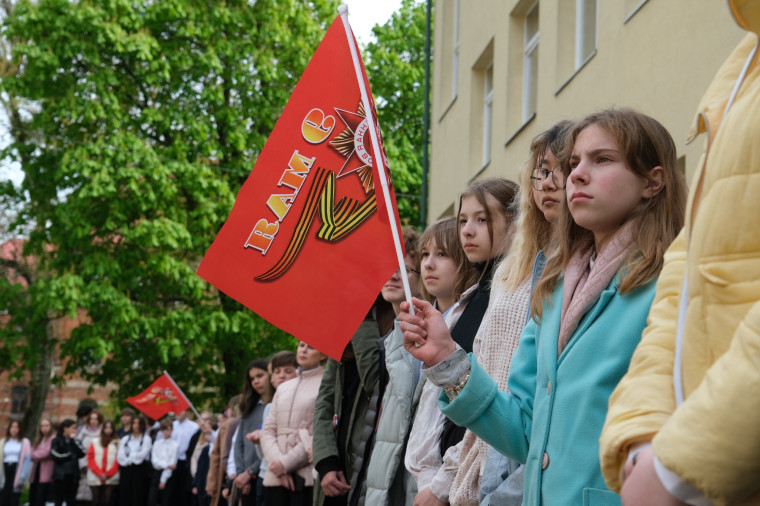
(626, 201)
(538, 208)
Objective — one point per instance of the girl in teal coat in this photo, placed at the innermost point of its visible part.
(626, 199)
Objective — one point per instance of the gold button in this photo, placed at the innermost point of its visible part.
(545, 462)
(549, 388)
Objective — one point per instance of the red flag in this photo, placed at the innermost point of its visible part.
(308, 244)
(160, 398)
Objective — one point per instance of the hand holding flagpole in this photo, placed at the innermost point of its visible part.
(343, 10)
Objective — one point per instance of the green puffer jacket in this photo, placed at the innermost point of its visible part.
(329, 404)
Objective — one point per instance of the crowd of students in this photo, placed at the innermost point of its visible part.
(521, 376)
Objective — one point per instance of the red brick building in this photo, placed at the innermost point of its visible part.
(62, 401)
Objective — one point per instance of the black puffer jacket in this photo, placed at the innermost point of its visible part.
(66, 453)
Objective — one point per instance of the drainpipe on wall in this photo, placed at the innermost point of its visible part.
(426, 121)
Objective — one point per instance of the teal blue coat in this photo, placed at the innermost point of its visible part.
(552, 416)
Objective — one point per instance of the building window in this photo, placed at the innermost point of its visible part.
(447, 66)
(487, 114)
(19, 396)
(530, 63)
(576, 37)
(585, 31)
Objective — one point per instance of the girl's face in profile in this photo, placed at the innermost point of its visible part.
(439, 271)
(549, 198)
(393, 289)
(602, 190)
(473, 228)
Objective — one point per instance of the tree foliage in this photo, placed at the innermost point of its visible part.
(144, 119)
(395, 63)
(135, 123)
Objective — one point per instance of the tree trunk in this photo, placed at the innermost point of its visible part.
(39, 385)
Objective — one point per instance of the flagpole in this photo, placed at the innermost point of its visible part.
(183, 394)
(343, 10)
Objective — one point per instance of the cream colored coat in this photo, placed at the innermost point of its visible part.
(287, 433)
(713, 439)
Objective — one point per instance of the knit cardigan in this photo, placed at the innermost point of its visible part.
(495, 343)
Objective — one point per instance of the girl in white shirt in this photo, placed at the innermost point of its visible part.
(134, 462)
(15, 454)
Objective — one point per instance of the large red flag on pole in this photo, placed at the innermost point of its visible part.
(162, 397)
(314, 232)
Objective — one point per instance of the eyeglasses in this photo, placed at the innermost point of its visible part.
(540, 174)
(409, 271)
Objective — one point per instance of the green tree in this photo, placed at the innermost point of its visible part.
(144, 120)
(395, 64)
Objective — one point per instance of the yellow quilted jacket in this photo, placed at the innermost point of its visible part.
(713, 439)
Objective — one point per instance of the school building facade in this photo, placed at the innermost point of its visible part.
(505, 70)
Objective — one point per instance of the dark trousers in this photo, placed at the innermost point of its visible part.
(249, 499)
(66, 490)
(181, 494)
(133, 485)
(39, 493)
(156, 495)
(281, 496)
(260, 499)
(8, 496)
(103, 495)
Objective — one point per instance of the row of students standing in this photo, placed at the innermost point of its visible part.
(264, 451)
(540, 398)
(564, 272)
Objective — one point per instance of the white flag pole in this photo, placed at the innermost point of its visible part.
(183, 394)
(377, 159)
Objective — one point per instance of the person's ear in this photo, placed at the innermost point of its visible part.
(655, 182)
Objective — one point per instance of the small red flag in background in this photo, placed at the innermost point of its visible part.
(162, 397)
(308, 244)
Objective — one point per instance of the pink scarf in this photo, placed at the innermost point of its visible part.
(583, 284)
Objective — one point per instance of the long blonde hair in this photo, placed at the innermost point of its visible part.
(645, 144)
(534, 232)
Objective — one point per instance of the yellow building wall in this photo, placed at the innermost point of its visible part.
(656, 56)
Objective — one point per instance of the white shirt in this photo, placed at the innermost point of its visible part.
(12, 451)
(231, 469)
(182, 432)
(134, 450)
(212, 440)
(164, 455)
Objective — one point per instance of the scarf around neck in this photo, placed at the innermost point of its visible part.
(583, 284)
